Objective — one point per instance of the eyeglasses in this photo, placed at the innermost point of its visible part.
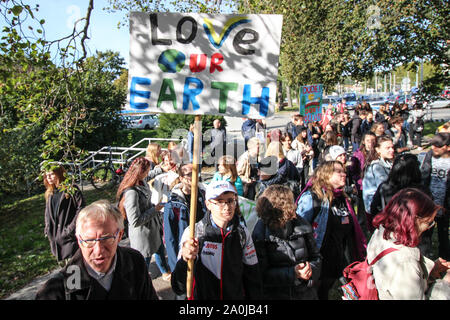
(431, 224)
(90, 243)
(187, 175)
(222, 204)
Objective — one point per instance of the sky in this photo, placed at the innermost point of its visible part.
(104, 34)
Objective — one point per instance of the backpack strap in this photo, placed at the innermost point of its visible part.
(382, 254)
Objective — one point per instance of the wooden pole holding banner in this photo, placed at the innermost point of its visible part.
(196, 160)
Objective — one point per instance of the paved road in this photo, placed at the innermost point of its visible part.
(163, 287)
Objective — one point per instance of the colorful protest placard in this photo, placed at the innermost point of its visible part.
(190, 63)
(311, 102)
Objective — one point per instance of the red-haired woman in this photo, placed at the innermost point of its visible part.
(61, 210)
(405, 274)
(144, 219)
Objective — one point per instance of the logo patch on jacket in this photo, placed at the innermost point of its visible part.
(211, 257)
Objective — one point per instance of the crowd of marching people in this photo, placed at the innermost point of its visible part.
(326, 194)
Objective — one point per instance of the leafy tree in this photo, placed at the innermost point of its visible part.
(326, 41)
(176, 125)
(51, 110)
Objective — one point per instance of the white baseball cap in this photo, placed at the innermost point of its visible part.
(216, 188)
(335, 151)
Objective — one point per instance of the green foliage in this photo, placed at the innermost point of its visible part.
(199, 6)
(326, 41)
(50, 113)
(129, 137)
(24, 250)
(177, 125)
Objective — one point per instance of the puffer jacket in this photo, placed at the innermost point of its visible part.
(279, 251)
(176, 220)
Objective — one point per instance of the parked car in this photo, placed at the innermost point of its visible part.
(445, 94)
(350, 101)
(143, 121)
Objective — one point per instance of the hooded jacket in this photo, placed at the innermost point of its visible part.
(376, 173)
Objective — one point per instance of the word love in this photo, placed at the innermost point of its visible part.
(245, 36)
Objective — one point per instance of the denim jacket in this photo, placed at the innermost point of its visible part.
(305, 209)
(375, 174)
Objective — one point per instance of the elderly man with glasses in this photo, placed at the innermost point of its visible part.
(100, 269)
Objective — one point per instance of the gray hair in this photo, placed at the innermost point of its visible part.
(101, 211)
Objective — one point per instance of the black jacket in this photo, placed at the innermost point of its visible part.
(279, 251)
(131, 281)
(384, 194)
(262, 185)
(356, 129)
(226, 267)
(60, 224)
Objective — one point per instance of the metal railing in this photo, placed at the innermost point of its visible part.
(119, 155)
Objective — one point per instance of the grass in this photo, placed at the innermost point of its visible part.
(24, 250)
(431, 127)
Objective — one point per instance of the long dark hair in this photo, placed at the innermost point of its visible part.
(131, 178)
(362, 146)
(373, 154)
(405, 171)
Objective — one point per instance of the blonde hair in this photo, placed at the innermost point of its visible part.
(152, 152)
(253, 142)
(275, 149)
(100, 211)
(321, 180)
(171, 145)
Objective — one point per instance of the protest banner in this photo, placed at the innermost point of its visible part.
(203, 64)
(190, 63)
(311, 102)
(248, 210)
